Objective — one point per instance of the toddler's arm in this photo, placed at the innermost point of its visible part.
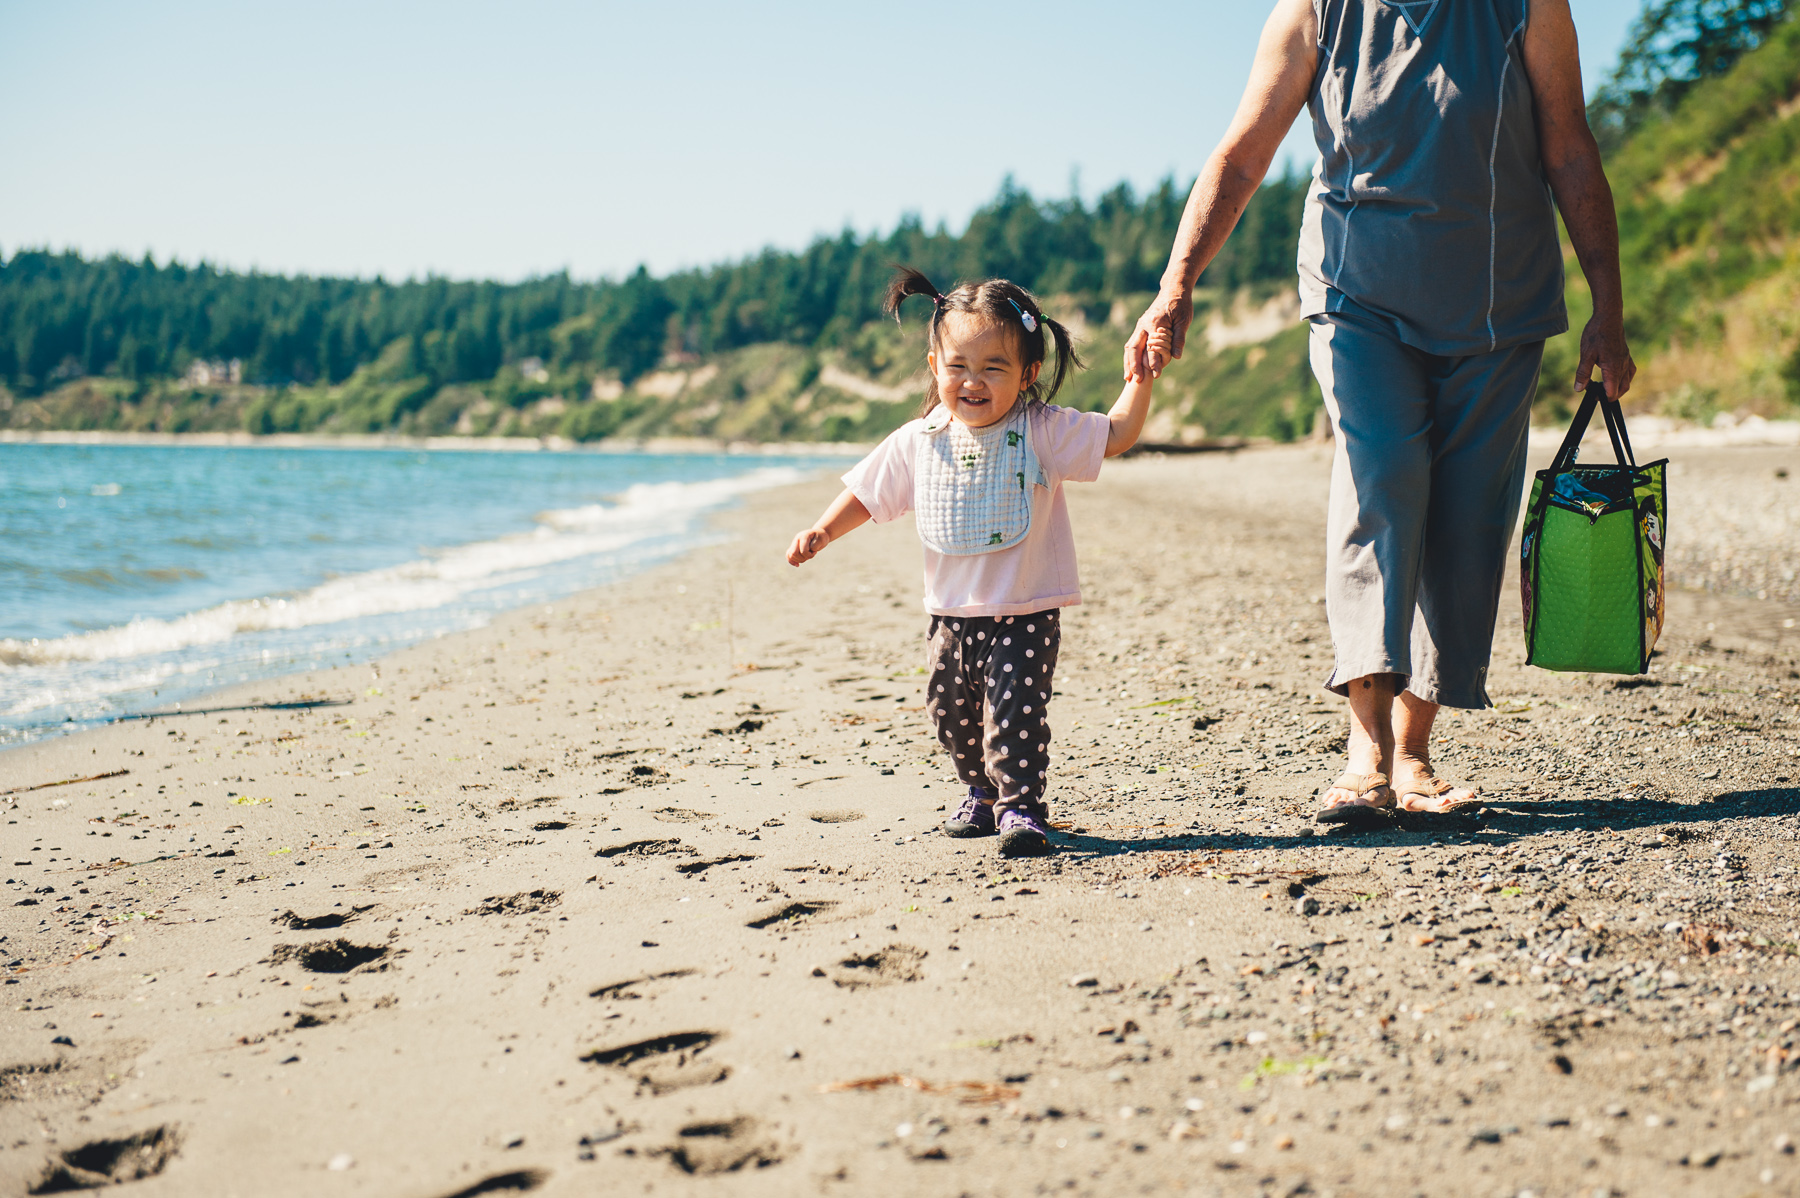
(1133, 406)
(845, 513)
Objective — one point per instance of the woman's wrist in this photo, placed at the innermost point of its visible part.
(1174, 287)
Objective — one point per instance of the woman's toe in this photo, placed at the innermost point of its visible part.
(1436, 800)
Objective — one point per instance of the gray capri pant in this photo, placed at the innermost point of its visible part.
(1426, 485)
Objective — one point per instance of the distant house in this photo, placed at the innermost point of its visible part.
(532, 370)
(214, 373)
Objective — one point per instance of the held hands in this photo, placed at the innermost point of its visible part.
(806, 545)
(1159, 350)
(1126, 420)
(1168, 314)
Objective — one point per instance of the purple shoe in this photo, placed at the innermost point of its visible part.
(976, 815)
(1023, 834)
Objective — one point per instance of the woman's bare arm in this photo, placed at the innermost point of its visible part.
(1572, 163)
(1280, 81)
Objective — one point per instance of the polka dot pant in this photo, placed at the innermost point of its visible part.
(989, 695)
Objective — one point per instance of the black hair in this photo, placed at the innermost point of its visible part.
(1004, 304)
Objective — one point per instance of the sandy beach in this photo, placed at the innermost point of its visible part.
(644, 893)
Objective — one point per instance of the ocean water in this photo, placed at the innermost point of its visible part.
(136, 578)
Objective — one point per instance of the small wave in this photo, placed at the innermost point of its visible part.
(642, 511)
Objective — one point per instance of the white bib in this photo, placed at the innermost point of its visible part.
(972, 487)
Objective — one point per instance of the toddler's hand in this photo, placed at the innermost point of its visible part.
(807, 545)
(1159, 351)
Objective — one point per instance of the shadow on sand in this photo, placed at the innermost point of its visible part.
(1499, 822)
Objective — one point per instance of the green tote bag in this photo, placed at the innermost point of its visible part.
(1591, 560)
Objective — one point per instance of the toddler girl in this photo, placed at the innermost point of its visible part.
(983, 468)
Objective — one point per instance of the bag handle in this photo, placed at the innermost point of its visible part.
(1595, 397)
(1615, 427)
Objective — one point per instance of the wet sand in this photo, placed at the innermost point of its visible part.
(620, 896)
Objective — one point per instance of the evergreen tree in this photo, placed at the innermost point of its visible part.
(1673, 45)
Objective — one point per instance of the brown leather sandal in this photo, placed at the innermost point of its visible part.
(1437, 789)
(1357, 813)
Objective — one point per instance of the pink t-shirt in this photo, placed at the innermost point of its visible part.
(1036, 574)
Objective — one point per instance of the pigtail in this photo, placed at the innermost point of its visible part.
(908, 281)
(1057, 334)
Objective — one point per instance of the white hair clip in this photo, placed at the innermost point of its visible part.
(1025, 318)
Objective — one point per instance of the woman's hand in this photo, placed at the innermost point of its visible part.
(806, 545)
(1168, 317)
(1126, 420)
(1603, 346)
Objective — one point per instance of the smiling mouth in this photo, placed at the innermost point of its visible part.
(971, 399)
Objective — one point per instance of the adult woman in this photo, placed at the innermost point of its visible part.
(1431, 275)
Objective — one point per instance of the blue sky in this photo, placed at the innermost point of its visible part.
(498, 141)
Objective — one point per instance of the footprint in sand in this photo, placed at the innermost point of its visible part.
(665, 1063)
(790, 912)
(526, 902)
(644, 987)
(680, 815)
(895, 963)
(647, 848)
(524, 804)
(697, 867)
(327, 1010)
(99, 1164)
(329, 956)
(835, 817)
(319, 923)
(516, 1182)
(722, 1146)
(20, 1083)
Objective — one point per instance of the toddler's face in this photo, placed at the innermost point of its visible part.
(979, 374)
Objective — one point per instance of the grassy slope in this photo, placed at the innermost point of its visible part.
(768, 392)
(1709, 213)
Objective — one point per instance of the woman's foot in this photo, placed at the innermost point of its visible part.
(1358, 800)
(1418, 789)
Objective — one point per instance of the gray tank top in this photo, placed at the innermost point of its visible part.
(1429, 207)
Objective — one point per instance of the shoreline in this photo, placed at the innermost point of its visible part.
(369, 637)
(553, 444)
(1648, 431)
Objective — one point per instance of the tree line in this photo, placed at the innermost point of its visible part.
(1673, 46)
(64, 316)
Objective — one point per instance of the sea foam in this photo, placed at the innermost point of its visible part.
(81, 671)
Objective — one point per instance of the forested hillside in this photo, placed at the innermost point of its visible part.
(1704, 115)
(1700, 120)
(1709, 214)
(737, 350)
